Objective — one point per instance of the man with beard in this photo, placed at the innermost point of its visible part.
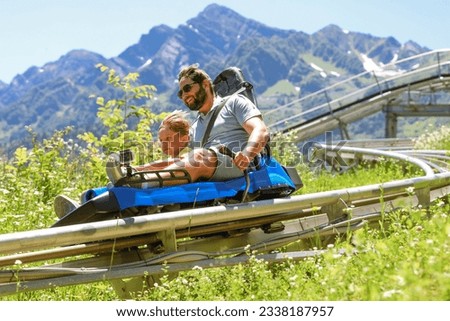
(239, 127)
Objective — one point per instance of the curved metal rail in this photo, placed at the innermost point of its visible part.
(201, 237)
(361, 95)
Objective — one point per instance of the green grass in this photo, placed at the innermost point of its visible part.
(407, 259)
(281, 87)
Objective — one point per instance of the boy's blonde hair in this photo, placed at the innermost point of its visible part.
(177, 122)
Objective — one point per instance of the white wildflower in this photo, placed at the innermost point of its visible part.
(390, 293)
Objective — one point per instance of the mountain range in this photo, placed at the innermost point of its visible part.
(281, 64)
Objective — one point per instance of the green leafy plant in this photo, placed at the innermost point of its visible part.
(126, 117)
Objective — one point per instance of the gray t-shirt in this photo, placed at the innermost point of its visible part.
(227, 129)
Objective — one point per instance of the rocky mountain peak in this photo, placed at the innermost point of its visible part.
(54, 95)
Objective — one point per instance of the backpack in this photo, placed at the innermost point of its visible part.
(231, 80)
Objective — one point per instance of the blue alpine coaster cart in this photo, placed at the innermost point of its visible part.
(269, 179)
(266, 178)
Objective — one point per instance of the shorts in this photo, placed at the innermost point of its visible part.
(225, 169)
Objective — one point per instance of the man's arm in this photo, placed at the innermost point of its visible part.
(258, 137)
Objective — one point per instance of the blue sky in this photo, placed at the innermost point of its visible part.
(34, 32)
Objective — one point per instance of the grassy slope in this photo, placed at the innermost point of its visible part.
(407, 260)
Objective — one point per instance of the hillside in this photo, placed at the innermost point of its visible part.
(282, 65)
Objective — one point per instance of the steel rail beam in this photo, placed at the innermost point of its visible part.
(114, 274)
(90, 232)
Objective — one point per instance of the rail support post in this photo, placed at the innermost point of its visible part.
(423, 197)
(391, 124)
(335, 211)
(169, 240)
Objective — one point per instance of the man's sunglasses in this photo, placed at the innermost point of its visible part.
(186, 88)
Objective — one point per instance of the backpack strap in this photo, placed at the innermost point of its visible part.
(216, 112)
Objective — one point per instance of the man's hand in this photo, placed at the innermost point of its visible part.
(241, 160)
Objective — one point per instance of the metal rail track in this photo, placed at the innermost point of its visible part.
(363, 95)
(130, 251)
